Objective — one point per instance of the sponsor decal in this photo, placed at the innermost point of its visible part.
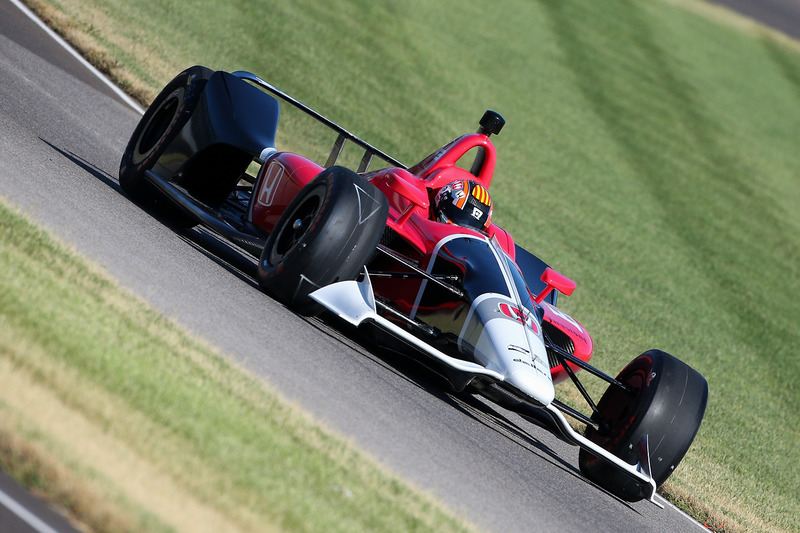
(367, 205)
(269, 184)
(514, 313)
(459, 198)
(531, 364)
(568, 322)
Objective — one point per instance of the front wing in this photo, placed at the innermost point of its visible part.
(354, 302)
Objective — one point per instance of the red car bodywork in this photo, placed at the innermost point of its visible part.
(410, 194)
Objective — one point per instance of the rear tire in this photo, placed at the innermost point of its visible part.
(666, 402)
(159, 125)
(326, 234)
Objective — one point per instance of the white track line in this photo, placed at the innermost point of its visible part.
(127, 99)
(26, 516)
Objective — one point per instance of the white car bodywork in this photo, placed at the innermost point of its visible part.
(509, 350)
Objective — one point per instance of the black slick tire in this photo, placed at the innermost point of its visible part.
(327, 234)
(666, 402)
(159, 125)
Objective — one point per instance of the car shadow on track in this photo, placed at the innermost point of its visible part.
(86, 165)
(233, 259)
(507, 424)
(409, 368)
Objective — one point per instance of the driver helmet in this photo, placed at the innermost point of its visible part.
(465, 203)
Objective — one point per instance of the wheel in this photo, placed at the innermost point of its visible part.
(159, 125)
(326, 235)
(666, 402)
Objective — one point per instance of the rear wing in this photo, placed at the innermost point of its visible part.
(370, 151)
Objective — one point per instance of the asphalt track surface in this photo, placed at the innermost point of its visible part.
(782, 15)
(61, 136)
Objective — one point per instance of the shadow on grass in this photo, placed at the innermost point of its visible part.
(232, 259)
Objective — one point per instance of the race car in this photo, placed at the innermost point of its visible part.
(409, 255)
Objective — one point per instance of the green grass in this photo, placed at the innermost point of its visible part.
(650, 154)
(125, 420)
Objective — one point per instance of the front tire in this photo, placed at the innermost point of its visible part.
(326, 234)
(666, 402)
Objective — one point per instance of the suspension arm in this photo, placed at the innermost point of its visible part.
(566, 356)
(421, 273)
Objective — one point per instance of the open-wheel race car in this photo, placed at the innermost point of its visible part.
(411, 255)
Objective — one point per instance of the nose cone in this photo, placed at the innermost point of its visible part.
(514, 349)
(533, 383)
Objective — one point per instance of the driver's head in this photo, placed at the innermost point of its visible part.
(464, 202)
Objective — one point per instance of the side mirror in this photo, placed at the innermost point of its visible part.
(554, 280)
(417, 196)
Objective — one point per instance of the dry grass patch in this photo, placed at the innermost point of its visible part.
(88, 31)
(118, 415)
